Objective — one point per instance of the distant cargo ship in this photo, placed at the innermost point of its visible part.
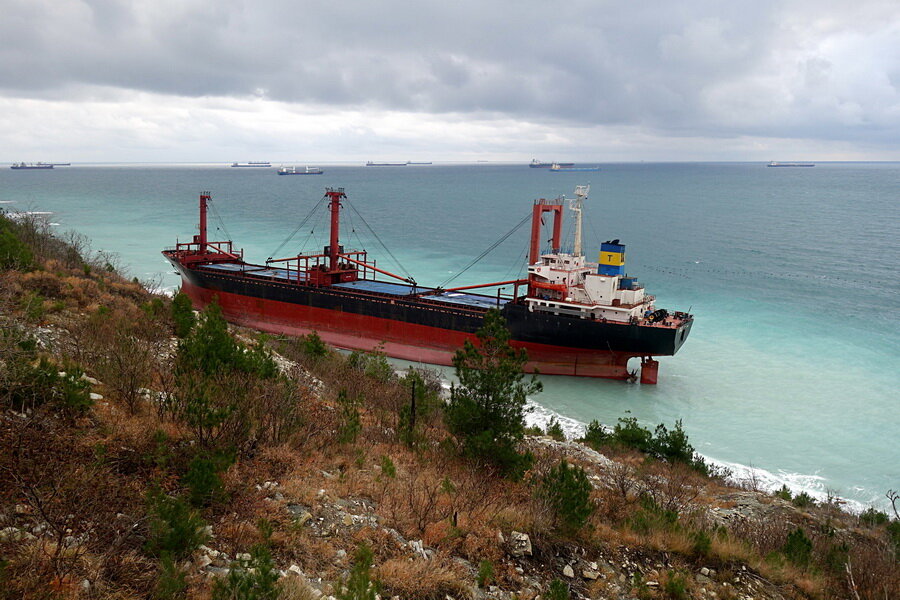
(536, 164)
(296, 171)
(29, 166)
(790, 164)
(559, 168)
(386, 164)
(262, 163)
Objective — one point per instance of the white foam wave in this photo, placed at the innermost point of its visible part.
(7, 201)
(813, 484)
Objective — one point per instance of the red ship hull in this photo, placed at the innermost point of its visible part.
(408, 341)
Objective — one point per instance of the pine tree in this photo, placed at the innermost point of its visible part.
(486, 411)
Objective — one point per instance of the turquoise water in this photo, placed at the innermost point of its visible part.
(792, 364)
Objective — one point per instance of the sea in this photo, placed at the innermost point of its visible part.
(791, 374)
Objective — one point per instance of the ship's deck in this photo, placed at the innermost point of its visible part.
(383, 288)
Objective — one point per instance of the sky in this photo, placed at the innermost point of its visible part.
(465, 80)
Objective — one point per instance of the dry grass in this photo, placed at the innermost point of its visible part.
(424, 579)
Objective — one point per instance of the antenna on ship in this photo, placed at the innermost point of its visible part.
(575, 205)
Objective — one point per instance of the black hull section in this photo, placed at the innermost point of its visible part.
(525, 326)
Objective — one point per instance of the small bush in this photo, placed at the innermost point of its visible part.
(313, 346)
(255, 580)
(359, 584)
(596, 435)
(701, 543)
(387, 467)
(172, 583)
(676, 586)
(557, 590)
(784, 493)
(176, 529)
(182, 314)
(798, 548)
(350, 425)
(555, 430)
(568, 492)
(485, 573)
(651, 517)
(14, 253)
(803, 500)
(202, 477)
(872, 518)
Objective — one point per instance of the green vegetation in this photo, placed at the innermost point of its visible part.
(176, 529)
(803, 500)
(256, 579)
(486, 411)
(182, 314)
(568, 491)
(14, 253)
(798, 548)
(555, 430)
(663, 444)
(557, 590)
(485, 573)
(359, 585)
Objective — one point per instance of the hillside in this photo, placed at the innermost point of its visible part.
(151, 452)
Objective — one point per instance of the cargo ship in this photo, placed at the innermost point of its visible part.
(573, 317)
(536, 164)
(259, 164)
(298, 171)
(28, 166)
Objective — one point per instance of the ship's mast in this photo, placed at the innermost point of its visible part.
(576, 205)
(334, 204)
(205, 197)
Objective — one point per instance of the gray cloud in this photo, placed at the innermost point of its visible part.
(795, 69)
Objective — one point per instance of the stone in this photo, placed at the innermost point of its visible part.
(95, 396)
(89, 379)
(278, 497)
(218, 571)
(348, 520)
(520, 544)
(204, 561)
(208, 531)
(341, 553)
(704, 571)
(568, 571)
(590, 574)
(295, 570)
(85, 585)
(243, 557)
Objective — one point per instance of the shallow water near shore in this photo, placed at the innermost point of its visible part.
(791, 367)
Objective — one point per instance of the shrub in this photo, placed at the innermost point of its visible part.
(176, 529)
(256, 579)
(798, 548)
(568, 491)
(555, 430)
(557, 590)
(387, 467)
(596, 435)
(803, 500)
(172, 583)
(14, 253)
(359, 584)
(34, 385)
(486, 411)
(485, 573)
(210, 349)
(652, 517)
(871, 517)
(202, 477)
(784, 493)
(313, 346)
(350, 425)
(182, 314)
(676, 586)
(701, 543)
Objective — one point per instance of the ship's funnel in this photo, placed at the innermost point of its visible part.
(612, 258)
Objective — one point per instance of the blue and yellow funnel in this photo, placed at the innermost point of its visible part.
(612, 258)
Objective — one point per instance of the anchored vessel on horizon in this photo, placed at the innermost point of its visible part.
(572, 316)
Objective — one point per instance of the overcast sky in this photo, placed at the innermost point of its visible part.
(224, 80)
